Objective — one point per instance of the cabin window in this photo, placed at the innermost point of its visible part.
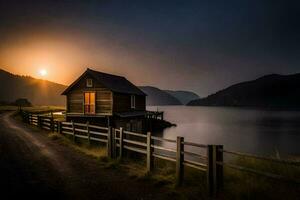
(89, 102)
(89, 82)
(132, 101)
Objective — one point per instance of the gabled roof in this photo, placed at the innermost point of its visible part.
(114, 83)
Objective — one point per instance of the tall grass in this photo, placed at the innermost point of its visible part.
(242, 185)
(237, 184)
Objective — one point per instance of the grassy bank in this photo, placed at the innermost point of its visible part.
(47, 110)
(237, 185)
(162, 176)
(34, 109)
(43, 109)
(8, 108)
(242, 185)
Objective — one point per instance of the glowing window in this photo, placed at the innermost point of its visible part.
(89, 102)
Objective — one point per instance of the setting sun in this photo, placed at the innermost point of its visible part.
(43, 72)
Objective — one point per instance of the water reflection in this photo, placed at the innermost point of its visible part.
(247, 130)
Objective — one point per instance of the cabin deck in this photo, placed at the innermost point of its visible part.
(158, 115)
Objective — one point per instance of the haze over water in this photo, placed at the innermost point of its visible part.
(240, 129)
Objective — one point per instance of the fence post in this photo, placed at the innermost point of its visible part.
(39, 121)
(113, 142)
(73, 128)
(121, 143)
(214, 173)
(179, 161)
(219, 167)
(210, 170)
(52, 123)
(23, 116)
(149, 153)
(59, 129)
(109, 142)
(88, 132)
(26, 117)
(55, 126)
(214, 169)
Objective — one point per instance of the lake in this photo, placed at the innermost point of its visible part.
(240, 129)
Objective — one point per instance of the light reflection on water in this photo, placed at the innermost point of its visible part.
(247, 130)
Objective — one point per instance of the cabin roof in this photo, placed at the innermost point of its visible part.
(115, 83)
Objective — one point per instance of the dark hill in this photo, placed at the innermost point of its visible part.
(38, 92)
(156, 97)
(183, 96)
(271, 91)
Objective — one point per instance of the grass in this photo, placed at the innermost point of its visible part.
(241, 185)
(47, 109)
(135, 167)
(237, 184)
(8, 108)
(40, 109)
(34, 109)
(97, 152)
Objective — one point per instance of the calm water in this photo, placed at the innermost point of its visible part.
(247, 130)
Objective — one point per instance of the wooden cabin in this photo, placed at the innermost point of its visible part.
(107, 100)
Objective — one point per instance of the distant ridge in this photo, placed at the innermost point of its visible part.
(156, 97)
(38, 92)
(269, 91)
(183, 96)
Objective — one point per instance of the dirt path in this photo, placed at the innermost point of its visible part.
(33, 165)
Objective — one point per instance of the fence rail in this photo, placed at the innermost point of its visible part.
(118, 140)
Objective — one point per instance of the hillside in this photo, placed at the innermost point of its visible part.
(156, 96)
(38, 92)
(42, 92)
(183, 96)
(271, 91)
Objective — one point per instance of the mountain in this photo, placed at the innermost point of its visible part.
(183, 96)
(270, 91)
(38, 92)
(157, 97)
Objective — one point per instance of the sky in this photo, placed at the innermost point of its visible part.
(200, 46)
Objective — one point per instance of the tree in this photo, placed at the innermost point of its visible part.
(22, 102)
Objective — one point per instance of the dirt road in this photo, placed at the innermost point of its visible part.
(32, 165)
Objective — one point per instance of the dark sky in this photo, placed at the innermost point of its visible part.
(202, 46)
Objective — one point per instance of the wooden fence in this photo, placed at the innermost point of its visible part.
(118, 141)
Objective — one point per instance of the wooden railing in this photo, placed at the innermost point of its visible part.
(119, 140)
(155, 115)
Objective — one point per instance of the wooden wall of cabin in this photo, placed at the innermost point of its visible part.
(100, 121)
(122, 102)
(134, 124)
(75, 98)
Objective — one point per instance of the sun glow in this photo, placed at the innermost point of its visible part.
(43, 72)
